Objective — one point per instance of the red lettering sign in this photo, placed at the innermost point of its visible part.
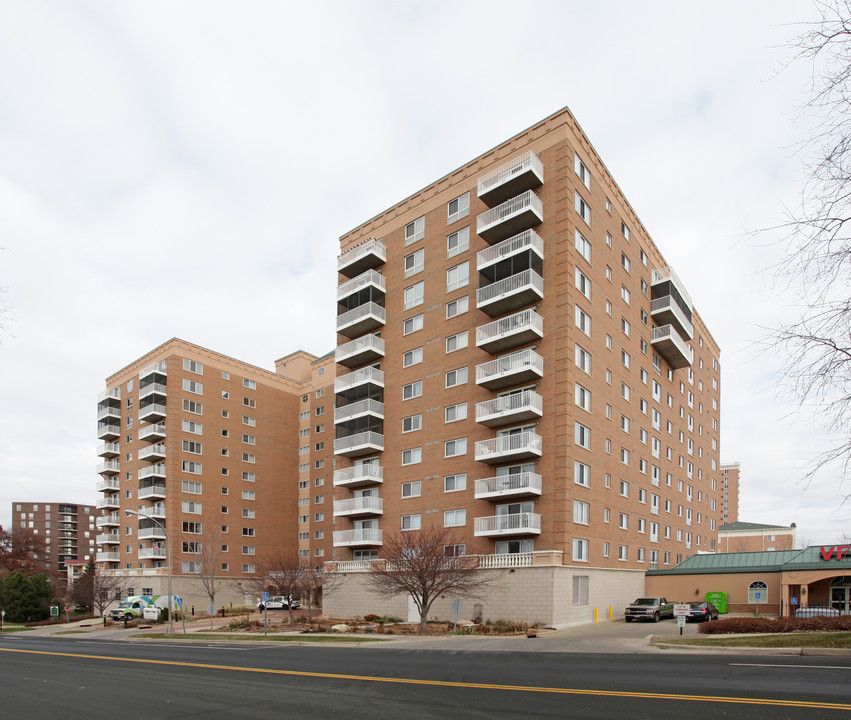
(827, 553)
(840, 550)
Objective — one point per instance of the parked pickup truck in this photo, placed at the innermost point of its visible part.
(649, 608)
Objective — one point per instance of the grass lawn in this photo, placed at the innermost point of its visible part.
(238, 637)
(15, 628)
(775, 640)
(69, 632)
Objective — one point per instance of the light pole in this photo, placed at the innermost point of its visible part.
(170, 628)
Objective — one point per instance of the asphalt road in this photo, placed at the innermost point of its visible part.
(91, 679)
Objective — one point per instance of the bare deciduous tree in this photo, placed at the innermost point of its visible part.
(817, 264)
(208, 565)
(416, 564)
(280, 573)
(96, 589)
(317, 583)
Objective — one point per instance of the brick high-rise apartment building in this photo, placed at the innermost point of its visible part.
(730, 488)
(211, 447)
(68, 531)
(519, 363)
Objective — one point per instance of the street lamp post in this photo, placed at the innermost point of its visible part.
(170, 628)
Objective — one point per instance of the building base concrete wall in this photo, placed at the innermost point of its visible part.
(534, 595)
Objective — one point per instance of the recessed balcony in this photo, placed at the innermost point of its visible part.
(527, 240)
(364, 376)
(508, 448)
(519, 485)
(361, 258)
(109, 431)
(108, 521)
(109, 503)
(361, 408)
(359, 507)
(154, 390)
(365, 443)
(154, 472)
(109, 450)
(108, 484)
(108, 539)
(152, 491)
(109, 412)
(520, 367)
(522, 173)
(368, 279)
(508, 332)
(152, 412)
(359, 476)
(152, 553)
(358, 538)
(362, 319)
(510, 409)
(360, 351)
(157, 368)
(668, 343)
(512, 217)
(152, 433)
(514, 524)
(153, 452)
(151, 533)
(667, 311)
(110, 467)
(108, 557)
(510, 293)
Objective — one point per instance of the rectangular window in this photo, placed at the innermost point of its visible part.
(456, 342)
(189, 506)
(249, 476)
(412, 423)
(580, 550)
(247, 532)
(623, 523)
(625, 262)
(415, 231)
(582, 359)
(453, 448)
(457, 276)
(625, 294)
(582, 209)
(412, 456)
(412, 324)
(249, 439)
(250, 421)
(456, 412)
(192, 406)
(457, 307)
(583, 284)
(454, 518)
(412, 390)
(583, 247)
(412, 357)
(411, 489)
(249, 458)
(193, 366)
(581, 512)
(583, 321)
(250, 384)
(191, 467)
(248, 495)
(458, 208)
(189, 486)
(191, 446)
(582, 436)
(193, 386)
(414, 263)
(582, 397)
(453, 483)
(414, 295)
(582, 171)
(410, 522)
(457, 242)
(581, 474)
(456, 377)
(580, 582)
(249, 402)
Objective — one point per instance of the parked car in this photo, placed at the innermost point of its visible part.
(702, 611)
(279, 602)
(649, 608)
(817, 611)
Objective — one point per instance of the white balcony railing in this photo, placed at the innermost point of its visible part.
(364, 440)
(667, 304)
(359, 377)
(509, 365)
(160, 368)
(356, 475)
(107, 484)
(511, 210)
(109, 412)
(526, 280)
(152, 554)
(109, 449)
(107, 520)
(518, 484)
(109, 467)
(525, 320)
(362, 536)
(366, 344)
(660, 275)
(361, 313)
(505, 173)
(371, 247)
(157, 491)
(356, 409)
(157, 470)
(152, 451)
(108, 502)
(114, 394)
(155, 431)
(359, 506)
(108, 539)
(527, 240)
(152, 532)
(153, 410)
(108, 557)
(370, 277)
(527, 400)
(667, 333)
(527, 444)
(515, 524)
(153, 389)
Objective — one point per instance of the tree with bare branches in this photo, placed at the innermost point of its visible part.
(317, 583)
(280, 573)
(97, 589)
(417, 564)
(208, 565)
(817, 266)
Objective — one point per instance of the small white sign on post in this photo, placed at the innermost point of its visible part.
(681, 610)
(151, 612)
(681, 621)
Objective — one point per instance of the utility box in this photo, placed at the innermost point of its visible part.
(719, 600)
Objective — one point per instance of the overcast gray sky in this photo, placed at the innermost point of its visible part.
(185, 169)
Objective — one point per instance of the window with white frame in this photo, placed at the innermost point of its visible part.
(411, 489)
(623, 521)
(583, 321)
(582, 436)
(583, 284)
(453, 413)
(457, 307)
(412, 456)
(193, 386)
(582, 397)
(458, 276)
(412, 390)
(415, 231)
(453, 448)
(414, 263)
(583, 247)
(625, 294)
(412, 423)
(410, 522)
(458, 208)
(412, 324)
(581, 512)
(582, 209)
(457, 242)
(581, 474)
(191, 467)
(580, 550)
(456, 377)
(454, 483)
(192, 406)
(582, 359)
(454, 518)
(191, 446)
(193, 366)
(412, 357)
(457, 341)
(414, 295)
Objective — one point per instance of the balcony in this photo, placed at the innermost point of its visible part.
(361, 258)
(110, 467)
(359, 409)
(509, 448)
(108, 539)
(527, 240)
(153, 452)
(523, 173)
(359, 377)
(368, 279)
(521, 485)
(365, 443)
(108, 557)
(510, 409)
(152, 433)
(109, 431)
(360, 351)
(508, 332)
(108, 484)
(361, 320)
(516, 524)
(114, 394)
(665, 281)
(359, 507)
(359, 476)
(152, 491)
(358, 538)
(157, 368)
(521, 367)
(510, 293)
(108, 521)
(152, 553)
(153, 389)
(109, 450)
(108, 503)
(152, 412)
(668, 343)
(156, 472)
(667, 311)
(155, 511)
(109, 412)
(512, 217)
(152, 533)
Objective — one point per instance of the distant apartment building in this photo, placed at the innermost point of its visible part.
(730, 485)
(212, 452)
(756, 537)
(519, 364)
(68, 530)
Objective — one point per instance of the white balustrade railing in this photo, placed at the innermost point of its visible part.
(508, 444)
(527, 161)
(525, 201)
(359, 473)
(358, 345)
(523, 320)
(359, 504)
(358, 377)
(345, 444)
(370, 277)
(516, 522)
(507, 484)
(361, 407)
(667, 302)
(667, 273)
(359, 313)
(372, 246)
(507, 364)
(361, 536)
(158, 367)
(510, 285)
(667, 332)
(114, 394)
(516, 402)
(527, 240)
(152, 388)
(154, 470)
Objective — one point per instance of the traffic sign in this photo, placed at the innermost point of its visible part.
(179, 601)
(681, 610)
(265, 596)
(681, 621)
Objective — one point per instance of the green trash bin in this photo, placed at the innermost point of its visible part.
(719, 600)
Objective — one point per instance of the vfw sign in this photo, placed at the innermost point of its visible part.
(835, 552)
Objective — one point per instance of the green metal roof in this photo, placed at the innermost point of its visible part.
(734, 526)
(748, 562)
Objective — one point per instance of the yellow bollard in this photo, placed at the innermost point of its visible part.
(596, 612)
(611, 611)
